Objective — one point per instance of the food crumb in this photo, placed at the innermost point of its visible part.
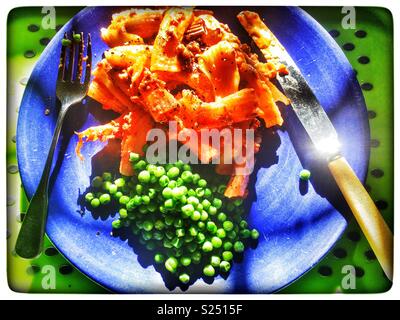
(305, 175)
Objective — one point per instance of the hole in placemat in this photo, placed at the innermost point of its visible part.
(44, 41)
(371, 114)
(370, 255)
(58, 27)
(334, 33)
(66, 269)
(325, 271)
(354, 236)
(363, 60)
(360, 34)
(368, 187)
(381, 204)
(367, 86)
(51, 251)
(375, 143)
(33, 28)
(349, 46)
(12, 168)
(33, 269)
(29, 54)
(359, 272)
(340, 253)
(377, 173)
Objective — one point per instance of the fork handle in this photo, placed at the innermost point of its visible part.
(30, 238)
(366, 213)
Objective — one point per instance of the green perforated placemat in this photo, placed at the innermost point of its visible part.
(369, 48)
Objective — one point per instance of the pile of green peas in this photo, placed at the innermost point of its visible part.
(177, 215)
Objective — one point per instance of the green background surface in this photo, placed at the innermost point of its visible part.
(369, 48)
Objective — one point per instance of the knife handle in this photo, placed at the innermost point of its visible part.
(366, 213)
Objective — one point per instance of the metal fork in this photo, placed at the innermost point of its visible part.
(70, 90)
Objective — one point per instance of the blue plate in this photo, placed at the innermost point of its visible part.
(298, 222)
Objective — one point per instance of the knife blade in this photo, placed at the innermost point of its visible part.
(323, 135)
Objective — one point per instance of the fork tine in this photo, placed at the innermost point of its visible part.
(88, 60)
(61, 65)
(71, 63)
(80, 58)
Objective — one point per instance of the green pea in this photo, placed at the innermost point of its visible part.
(97, 182)
(159, 258)
(221, 233)
(89, 196)
(209, 270)
(144, 176)
(238, 246)
(228, 245)
(204, 215)
(159, 225)
(216, 242)
(148, 225)
(207, 246)
(206, 204)
(167, 193)
(173, 172)
(140, 165)
(254, 234)
(163, 181)
(106, 185)
(105, 198)
(171, 264)
(116, 224)
(217, 203)
(185, 261)
(159, 171)
(215, 261)
(184, 278)
(227, 225)
(221, 217)
(199, 192)
(112, 188)
(172, 184)
(118, 195)
(227, 255)
(196, 257)
(202, 183)
(66, 42)
(305, 175)
(187, 176)
(225, 266)
(169, 203)
(134, 157)
(212, 210)
(195, 178)
(107, 176)
(95, 202)
(201, 238)
(180, 233)
(158, 235)
(201, 225)
(123, 213)
(211, 227)
(187, 210)
(193, 231)
(196, 215)
(245, 233)
(207, 192)
(124, 200)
